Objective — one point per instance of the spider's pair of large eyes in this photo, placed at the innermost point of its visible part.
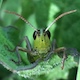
(37, 33)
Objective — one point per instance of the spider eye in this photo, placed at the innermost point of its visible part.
(36, 33)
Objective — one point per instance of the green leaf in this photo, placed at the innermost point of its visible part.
(1, 3)
(5, 55)
(9, 18)
(78, 72)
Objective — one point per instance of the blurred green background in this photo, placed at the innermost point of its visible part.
(40, 13)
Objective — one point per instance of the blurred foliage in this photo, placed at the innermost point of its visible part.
(78, 72)
(40, 13)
